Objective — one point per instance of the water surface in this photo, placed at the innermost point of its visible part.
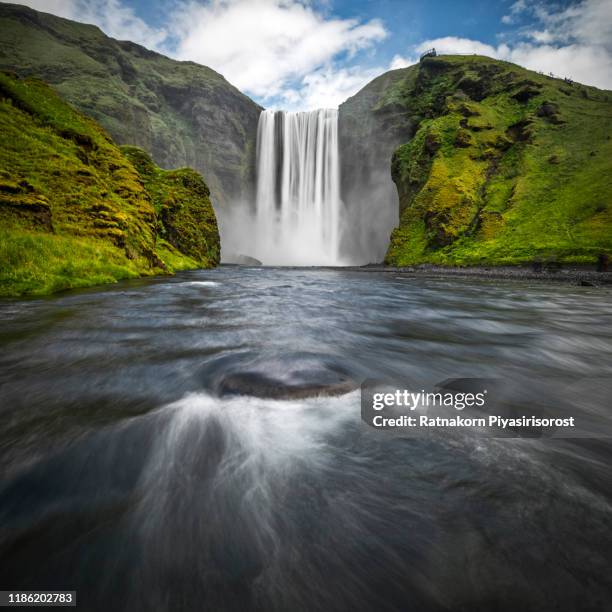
(135, 474)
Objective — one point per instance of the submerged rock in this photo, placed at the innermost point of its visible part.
(287, 376)
(241, 260)
(260, 385)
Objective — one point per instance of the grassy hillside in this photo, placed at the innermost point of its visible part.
(506, 166)
(183, 113)
(74, 211)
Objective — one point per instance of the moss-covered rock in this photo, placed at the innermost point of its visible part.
(506, 165)
(182, 202)
(75, 211)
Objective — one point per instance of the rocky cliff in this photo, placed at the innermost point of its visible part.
(495, 164)
(182, 113)
(499, 164)
(371, 125)
(76, 210)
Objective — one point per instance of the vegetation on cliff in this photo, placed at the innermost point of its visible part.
(182, 204)
(505, 165)
(182, 113)
(75, 211)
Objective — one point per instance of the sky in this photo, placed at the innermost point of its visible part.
(307, 54)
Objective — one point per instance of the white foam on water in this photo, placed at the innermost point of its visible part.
(274, 433)
(225, 463)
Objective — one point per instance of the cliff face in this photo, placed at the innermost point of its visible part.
(186, 219)
(505, 166)
(76, 211)
(371, 125)
(184, 114)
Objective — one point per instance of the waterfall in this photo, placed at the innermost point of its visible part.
(298, 206)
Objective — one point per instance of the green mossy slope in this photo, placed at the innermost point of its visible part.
(506, 166)
(74, 211)
(182, 203)
(182, 113)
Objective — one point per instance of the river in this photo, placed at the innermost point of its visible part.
(136, 473)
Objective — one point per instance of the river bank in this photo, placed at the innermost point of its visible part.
(574, 275)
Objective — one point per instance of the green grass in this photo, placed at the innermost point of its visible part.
(507, 166)
(174, 259)
(74, 211)
(36, 263)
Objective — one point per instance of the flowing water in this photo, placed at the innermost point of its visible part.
(298, 208)
(134, 472)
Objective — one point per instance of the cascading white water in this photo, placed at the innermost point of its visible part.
(298, 206)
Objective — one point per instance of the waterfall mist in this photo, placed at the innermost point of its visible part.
(298, 210)
(323, 191)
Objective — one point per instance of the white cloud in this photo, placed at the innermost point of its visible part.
(272, 49)
(540, 36)
(588, 22)
(262, 46)
(111, 16)
(328, 87)
(121, 22)
(589, 64)
(400, 61)
(286, 52)
(61, 8)
(276, 50)
(331, 86)
(453, 44)
(518, 7)
(575, 42)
